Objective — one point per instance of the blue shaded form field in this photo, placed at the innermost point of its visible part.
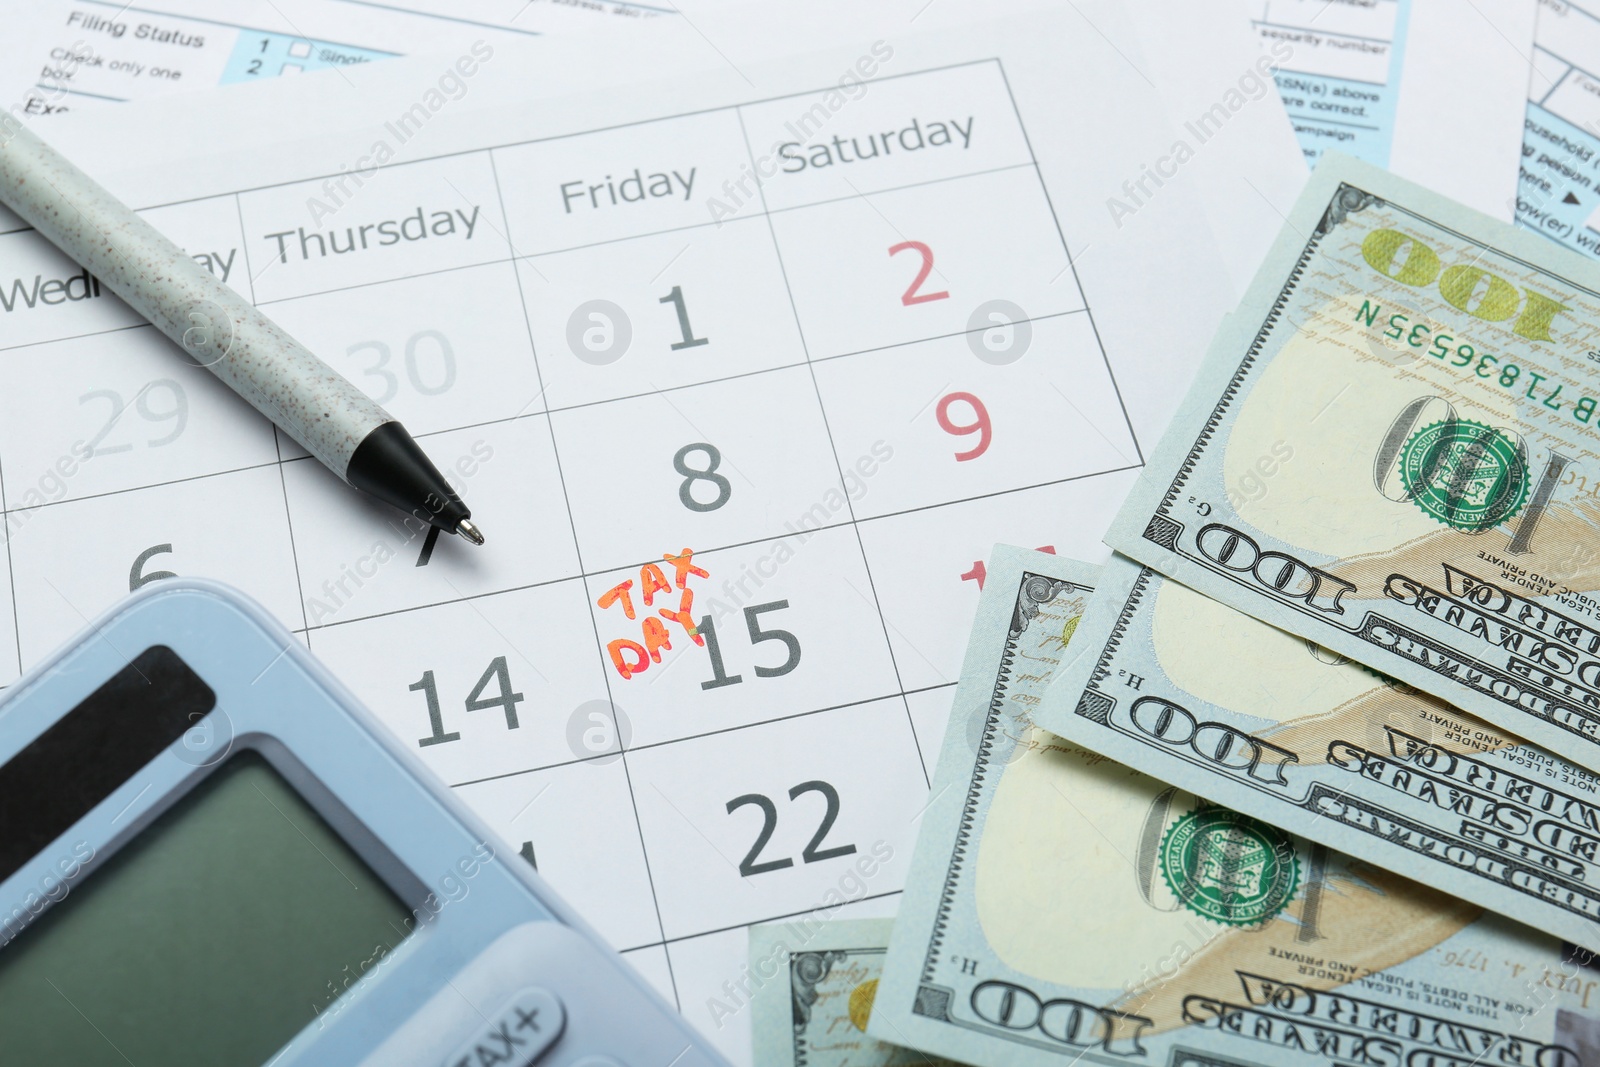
(259, 54)
(1341, 83)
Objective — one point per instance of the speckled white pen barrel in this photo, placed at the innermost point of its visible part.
(278, 375)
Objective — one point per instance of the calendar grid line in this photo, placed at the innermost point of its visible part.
(634, 396)
(930, 688)
(822, 407)
(692, 227)
(718, 224)
(465, 152)
(77, 336)
(815, 359)
(668, 942)
(277, 441)
(566, 499)
(631, 564)
(594, 626)
(648, 746)
(11, 573)
(1044, 187)
(545, 412)
(263, 465)
(294, 549)
(307, 630)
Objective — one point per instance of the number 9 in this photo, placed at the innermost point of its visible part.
(980, 426)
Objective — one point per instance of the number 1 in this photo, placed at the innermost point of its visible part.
(425, 685)
(675, 298)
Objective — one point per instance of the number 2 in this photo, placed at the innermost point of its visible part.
(769, 823)
(911, 296)
(178, 414)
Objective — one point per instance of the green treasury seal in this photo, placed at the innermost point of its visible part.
(1465, 474)
(1229, 867)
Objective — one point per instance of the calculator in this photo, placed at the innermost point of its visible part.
(211, 854)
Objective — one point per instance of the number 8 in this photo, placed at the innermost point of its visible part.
(680, 463)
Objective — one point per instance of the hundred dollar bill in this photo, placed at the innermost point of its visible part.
(1187, 689)
(1062, 908)
(1394, 450)
(812, 1011)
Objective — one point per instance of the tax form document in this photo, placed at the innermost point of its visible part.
(748, 369)
(1559, 191)
(1429, 89)
(1246, 162)
(62, 55)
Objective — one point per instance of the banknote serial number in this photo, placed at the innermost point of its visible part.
(1469, 288)
(1515, 379)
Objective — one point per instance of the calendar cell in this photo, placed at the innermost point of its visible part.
(44, 295)
(928, 566)
(576, 825)
(480, 687)
(711, 465)
(784, 626)
(715, 979)
(906, 265)
(349, 230)
(73, 560)
(854, 139)
(649, 177)
(151, 417)
(359, 557)
(439, 352)
(708, 971)
(208, 230)
(650, 313)
(964, 427)
(778, 818)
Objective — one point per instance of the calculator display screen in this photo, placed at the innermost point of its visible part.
(233, 922)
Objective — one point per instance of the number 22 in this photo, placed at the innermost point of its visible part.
(769, 823)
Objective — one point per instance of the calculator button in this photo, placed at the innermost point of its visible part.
(598, 1061)
(519, 1033)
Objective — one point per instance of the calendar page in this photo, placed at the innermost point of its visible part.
(744, 373)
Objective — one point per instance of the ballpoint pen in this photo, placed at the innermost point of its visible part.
(310, 401)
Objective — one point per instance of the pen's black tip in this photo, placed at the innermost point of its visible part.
(389, 465)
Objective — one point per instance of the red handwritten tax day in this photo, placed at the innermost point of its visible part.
(632, 657)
